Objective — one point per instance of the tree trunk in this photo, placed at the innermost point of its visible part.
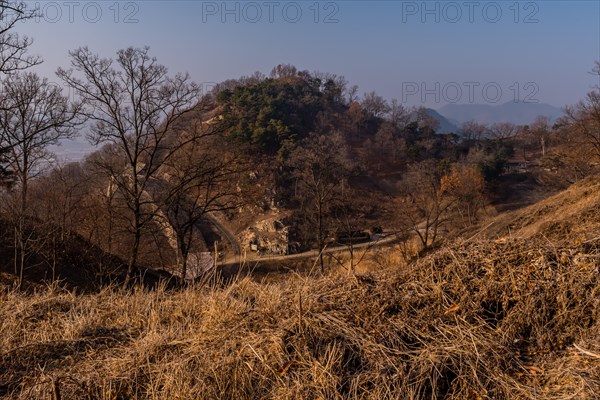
(351, 250)
(16, 253)
(21, 261)
(320, 238)
(20, 237)
(137, 225)
(134, 251)
(54, 257)
(185, 252)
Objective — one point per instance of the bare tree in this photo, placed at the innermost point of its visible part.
(33, 116)
(351, 94)
(105, 216)
(375, 105)
(425, 203)
(357, 117)
(13, 47)
(198, 181)
(134, 105)
(333, 86)
(503, 130)
(284, 71)
(579, 131)
(472, 131)
(398, 114)
(320, 166)
(58, 206)
(350, 211)
(584, 121)
(540, 133)
(13, 57)
(386, 145)
(464, 187)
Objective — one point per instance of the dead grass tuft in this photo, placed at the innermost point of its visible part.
(505, 320)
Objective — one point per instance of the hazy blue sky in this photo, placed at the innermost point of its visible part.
(422, 53)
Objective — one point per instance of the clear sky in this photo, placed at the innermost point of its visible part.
(422, 53)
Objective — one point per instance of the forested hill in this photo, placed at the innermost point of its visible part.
(272, 113)
(288, 163)
(269, 115)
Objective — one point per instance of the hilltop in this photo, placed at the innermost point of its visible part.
(276, 165)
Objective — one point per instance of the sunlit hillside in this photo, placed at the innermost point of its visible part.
(513, 317)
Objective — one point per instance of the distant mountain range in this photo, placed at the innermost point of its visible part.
(516, 113)
(446, 126)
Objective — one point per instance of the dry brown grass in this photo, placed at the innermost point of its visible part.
(516, 319)
(573, 213)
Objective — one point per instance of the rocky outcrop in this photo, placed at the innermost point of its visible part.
(267, 236)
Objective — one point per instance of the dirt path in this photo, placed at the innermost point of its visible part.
(226, 233)
(252, 257)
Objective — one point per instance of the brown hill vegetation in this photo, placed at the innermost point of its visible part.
(572, 215)
(517, 317)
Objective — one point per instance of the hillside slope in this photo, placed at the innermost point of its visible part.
(571, 215)
(478, 319)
